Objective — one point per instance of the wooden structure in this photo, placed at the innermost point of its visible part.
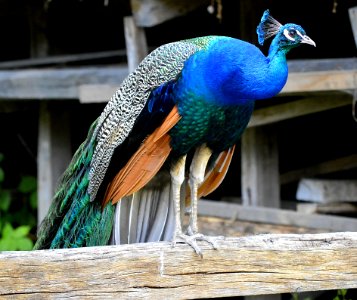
(314, 86)
(263, 264)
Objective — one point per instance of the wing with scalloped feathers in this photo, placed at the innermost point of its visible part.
(118, 117)
(76, 218)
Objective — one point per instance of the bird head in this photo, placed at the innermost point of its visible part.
(291, 35)
(287, 36)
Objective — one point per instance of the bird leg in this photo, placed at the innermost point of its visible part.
(197, 174)
(177, 173)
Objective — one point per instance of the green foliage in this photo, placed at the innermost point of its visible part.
(296, 297)
(15, 239)
(5, 200)
(18, 209)
(341, 295)
(27, 184)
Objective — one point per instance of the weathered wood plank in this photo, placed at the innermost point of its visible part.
(324, 64)
(135, 40)
(263, 264)
(260, 167)
(64, 83)
(327, 190)
(340, 164)
(49, 84)
(321, 81)
(148, 13)
(93, 93)
(326, 208)
(353, 19)
(60, 59)
(275, 216)
(54, 152)
(237, 228)
(298, 108)
(37, 24)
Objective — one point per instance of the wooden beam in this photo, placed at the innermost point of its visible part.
(135, 40)
(327, 208)
(237, 228)
(353, 19)
(260, 167)
(324, 64)
(148, 13)
(63, 83)
(321, 81)
(96, 93)
(340, 164)
(327, 190)
(54, 152)
(298, 108)
(60, 59)
(37, 20)
(274, 216)
(262, 264)
(55, 84)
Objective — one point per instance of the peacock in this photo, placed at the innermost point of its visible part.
(165, 139)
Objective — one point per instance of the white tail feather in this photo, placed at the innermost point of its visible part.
(148, 216)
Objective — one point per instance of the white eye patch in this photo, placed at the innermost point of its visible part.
(299, 33)
(286, 34)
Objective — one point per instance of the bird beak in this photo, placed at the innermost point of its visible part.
(306, 40)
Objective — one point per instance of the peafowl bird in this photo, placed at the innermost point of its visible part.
(165, 139)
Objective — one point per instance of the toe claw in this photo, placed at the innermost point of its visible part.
(191, 240)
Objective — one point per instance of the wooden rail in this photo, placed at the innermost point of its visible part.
(261, 264)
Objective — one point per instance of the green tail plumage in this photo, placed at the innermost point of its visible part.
(74, 221)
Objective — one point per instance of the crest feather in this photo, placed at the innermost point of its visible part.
(267, 27)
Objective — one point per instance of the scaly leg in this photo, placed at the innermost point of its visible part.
(177, 173)
(197, 173)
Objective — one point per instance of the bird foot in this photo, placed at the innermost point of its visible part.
(192, 239)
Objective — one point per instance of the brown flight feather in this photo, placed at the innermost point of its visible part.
(145, 162)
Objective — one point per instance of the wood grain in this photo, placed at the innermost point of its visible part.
(262, 264)
(302, 107)
(333, 80)
(327, 190)
(276, 216)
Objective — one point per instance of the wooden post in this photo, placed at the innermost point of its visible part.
(54, 152)
(254, 265)
(135, 39)
(353, 18)
(260, 167)
(38, 22)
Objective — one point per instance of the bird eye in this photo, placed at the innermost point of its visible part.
(292, 32)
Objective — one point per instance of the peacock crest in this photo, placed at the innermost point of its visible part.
(267, 27)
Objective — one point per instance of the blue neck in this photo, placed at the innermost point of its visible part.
(276, 52)
(232, 72)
